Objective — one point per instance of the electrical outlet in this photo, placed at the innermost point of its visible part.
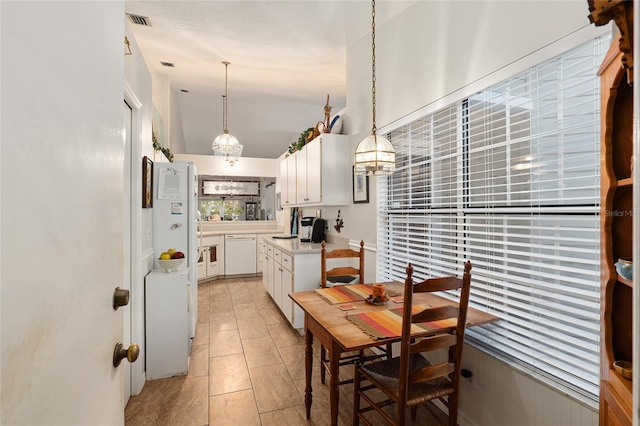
(468, 376)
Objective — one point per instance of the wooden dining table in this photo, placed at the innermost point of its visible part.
(329, 324)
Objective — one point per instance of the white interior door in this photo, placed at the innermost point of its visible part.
(62, 212)
(126, 280)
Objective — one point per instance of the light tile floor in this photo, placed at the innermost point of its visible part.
(246, 368)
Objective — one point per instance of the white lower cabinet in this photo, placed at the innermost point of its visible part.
(267, 275)
(286, 282)
(210, 263)
(277, 280)
(166, 323)
(289, 273)
(264, 260)
(270, 283)
(262, 254)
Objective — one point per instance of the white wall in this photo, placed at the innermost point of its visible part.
(161, 98)
(138, 80)
(424, 54)
(434, 48)
(176, 133)
(218, 166)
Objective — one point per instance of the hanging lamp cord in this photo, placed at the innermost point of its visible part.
(226, 74)
(373, 66)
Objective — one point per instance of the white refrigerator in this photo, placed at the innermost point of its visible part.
(175, 222)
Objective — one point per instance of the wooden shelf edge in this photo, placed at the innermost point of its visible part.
(625, 281)
(625, 182)
(628, 283)
(619, 383)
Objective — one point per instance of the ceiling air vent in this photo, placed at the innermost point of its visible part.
(139, 19)
(167, 64)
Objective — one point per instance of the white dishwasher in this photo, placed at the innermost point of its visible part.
(240, 254)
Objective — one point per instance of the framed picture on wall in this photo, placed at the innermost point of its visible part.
(147, 182)
(360, 188)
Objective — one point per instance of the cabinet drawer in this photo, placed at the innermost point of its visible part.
(287, 262)
(277, 255)
(210, 241)
(269, 250)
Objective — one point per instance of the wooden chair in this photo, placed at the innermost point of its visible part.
(410, 379)
(341, 275)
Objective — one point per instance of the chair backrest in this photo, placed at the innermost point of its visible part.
(451, 337)
(341, 270)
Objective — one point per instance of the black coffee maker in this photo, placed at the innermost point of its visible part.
(306, 228)
(313, 230)
(319, 233)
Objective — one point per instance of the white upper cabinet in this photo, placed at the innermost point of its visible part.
(291, 180)
(282, 180)
(322, 173)
(301, 176)
(287, 179)
(314, 173)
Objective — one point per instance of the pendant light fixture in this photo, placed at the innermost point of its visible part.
(375, 155)
(226, 142)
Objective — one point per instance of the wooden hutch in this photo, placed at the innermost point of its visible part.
(616, 210)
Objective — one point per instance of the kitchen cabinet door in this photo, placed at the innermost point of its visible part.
(283, 180)
(261, 256)
(202, 265)
(213, 265)
(301, 176)
(286, 281)
(277, 280)
(265, 274)
(270, 274)
(313, 179)
(291, 180)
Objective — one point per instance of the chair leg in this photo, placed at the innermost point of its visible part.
(389, 354)
(453, 409)
(402, 414)
(356, 396)
(414, 412)
(323, 357)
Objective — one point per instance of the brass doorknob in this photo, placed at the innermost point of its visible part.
(120, 353)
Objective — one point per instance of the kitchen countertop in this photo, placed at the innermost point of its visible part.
(251, 231)
(295, 246)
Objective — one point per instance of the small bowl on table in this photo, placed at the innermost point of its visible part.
(624, 368)
(624, 268)
(170, 264)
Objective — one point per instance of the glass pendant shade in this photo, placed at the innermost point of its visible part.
(226, 143)
(375, 156)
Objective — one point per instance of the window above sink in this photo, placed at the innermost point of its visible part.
(224, 188)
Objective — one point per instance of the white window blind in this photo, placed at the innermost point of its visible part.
(509, 179)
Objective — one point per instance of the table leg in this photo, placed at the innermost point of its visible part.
(308, 368)
(334, 392)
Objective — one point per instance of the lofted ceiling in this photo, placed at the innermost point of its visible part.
(285, 56)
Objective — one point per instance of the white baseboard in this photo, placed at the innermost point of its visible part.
(137, 383)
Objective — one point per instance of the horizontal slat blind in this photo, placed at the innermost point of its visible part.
(509, 179)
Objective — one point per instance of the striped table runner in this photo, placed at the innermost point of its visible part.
(345, 293)
(388, 323)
